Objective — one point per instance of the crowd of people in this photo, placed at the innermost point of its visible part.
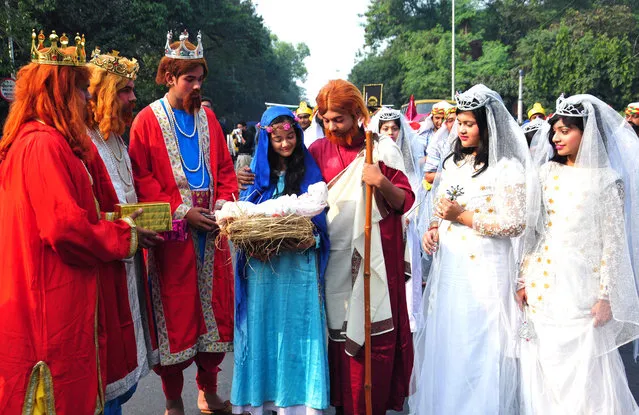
(503, 257)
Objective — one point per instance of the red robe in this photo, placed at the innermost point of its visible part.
(52, 252)
(392, 352)
(193, 305)
(121, 351)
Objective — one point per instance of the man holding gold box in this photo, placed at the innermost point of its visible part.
(179, 155)
(128, 336)
(54, 246)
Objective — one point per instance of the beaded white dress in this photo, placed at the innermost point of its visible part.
(571, 367)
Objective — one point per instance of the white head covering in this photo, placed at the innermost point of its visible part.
(403, 140)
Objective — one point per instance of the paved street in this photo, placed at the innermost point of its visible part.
(149, 400)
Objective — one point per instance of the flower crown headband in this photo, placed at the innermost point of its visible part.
(286, 126)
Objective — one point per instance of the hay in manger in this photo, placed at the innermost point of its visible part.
(262, 230)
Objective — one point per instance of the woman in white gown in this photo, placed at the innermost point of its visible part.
(465, 360)
(578, 283)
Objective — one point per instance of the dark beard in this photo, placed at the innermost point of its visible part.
(126, 113)
(635, 128)
(193, 101)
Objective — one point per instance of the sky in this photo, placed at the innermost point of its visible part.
(332, 30)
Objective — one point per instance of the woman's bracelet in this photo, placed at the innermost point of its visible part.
(433, 227)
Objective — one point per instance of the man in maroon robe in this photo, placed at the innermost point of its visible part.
(339, 155)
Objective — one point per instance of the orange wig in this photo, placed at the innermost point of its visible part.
(49, 93)
(343, 97)
(178, 67)
(105, 106)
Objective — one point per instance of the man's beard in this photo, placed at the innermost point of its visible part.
(345, 139)
(635, 128)
(193, 101)
(126, 113)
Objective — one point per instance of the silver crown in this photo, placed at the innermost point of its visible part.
(568, 109)
(469, 102)
(182, 52)
(533, 125)
(388, 114)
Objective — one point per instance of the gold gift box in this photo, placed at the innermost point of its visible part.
(155, 216)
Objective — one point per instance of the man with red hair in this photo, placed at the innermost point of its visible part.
(54, 245)
(122, 284)
(340, 158)
(179, 155)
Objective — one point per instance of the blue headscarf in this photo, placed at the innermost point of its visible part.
(262, 190)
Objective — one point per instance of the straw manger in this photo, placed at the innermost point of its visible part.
(258, 235)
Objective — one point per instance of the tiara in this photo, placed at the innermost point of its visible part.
(116, 64)
(182, 52)
(533, 125)
(389, 115)
(568, 109)
(469, 102)
(57, 55)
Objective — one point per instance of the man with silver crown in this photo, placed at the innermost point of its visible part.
(128, 336)
(54, 247)
(179, 155)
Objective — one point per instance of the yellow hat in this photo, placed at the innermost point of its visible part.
(536, 109)
(303, 109)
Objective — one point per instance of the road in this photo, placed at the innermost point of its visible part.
(149, 399)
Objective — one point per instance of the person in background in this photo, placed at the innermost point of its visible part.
(536, 111)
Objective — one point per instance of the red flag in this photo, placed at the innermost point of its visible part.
(411, 111)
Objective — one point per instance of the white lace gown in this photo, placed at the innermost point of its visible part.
(571, 367)
(464, 351)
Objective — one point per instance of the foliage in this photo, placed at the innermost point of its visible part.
(571, 46)
(247, 66)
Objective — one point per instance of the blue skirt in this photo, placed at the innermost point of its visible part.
(285, 360)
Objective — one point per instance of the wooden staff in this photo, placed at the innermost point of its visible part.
(368, 386)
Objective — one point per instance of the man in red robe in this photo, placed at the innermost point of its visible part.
(340, 158)
(179, 155)
(123, 284)
(54, 245)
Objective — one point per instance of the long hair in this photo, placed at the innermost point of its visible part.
(49, 93)
(481, 157)
(342, 96)
(105, 106)
(295, 168)
(577, 122)
(177, 67)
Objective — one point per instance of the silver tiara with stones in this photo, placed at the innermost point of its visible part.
(469, 102)
(387, 114)
(568, 109)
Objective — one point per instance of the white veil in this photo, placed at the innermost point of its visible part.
(607, 157)
(403, 141)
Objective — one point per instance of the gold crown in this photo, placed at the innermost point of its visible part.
(116, 64)
(57, 55)
(181, 51)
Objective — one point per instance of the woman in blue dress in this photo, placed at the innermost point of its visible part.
(281, 359)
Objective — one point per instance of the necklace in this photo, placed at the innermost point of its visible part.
(116, 161)
(200, 157)
(171, 115)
